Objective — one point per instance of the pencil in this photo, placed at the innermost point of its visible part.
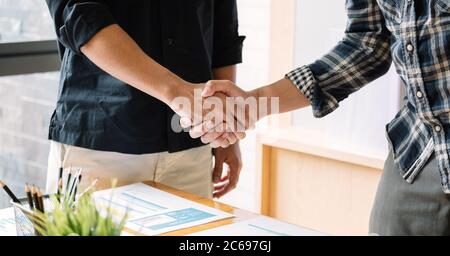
(35, 198)
(9, 192)
(74, 183)
(61, 170)
(69, 177)
(41, 201)
(58, 192)
(30, 198)
(78, 183)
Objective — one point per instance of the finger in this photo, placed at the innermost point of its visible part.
(218, 142)
(223, 86)
(210, 137)
(209, 90)
(219, 188)
(201, 129)
(185, 122)
(232, 139)
(225, 178)
(218, 170)
(206, 127)
(240, 135)
(225, 142)
(234, 178)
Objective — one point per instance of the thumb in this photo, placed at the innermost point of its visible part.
(209, 89)
(213, 87)
(218, 169)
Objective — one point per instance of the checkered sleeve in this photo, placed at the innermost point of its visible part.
(361, 57)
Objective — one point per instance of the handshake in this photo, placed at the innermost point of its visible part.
(218, 112)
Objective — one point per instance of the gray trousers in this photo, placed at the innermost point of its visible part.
(400, 208)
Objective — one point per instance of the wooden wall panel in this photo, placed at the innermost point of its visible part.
(323, 194)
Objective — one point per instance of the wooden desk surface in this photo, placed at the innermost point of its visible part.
(240, 215)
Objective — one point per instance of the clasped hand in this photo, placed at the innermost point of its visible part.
(218, 112)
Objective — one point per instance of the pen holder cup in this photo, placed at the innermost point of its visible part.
(24, 217)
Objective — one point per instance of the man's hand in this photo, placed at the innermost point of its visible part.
(197, 112)
(240, 112)
(230, 156)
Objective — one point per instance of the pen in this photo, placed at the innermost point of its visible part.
(30, 198)
(41, 201)
(9, 192)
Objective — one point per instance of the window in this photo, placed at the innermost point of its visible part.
(28, 88)
(24, 20)
(358, 124)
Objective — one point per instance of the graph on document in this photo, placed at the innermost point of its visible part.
(172, 219)
(133, 202)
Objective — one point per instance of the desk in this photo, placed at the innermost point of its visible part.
(240, 215)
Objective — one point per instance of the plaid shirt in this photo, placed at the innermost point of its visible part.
(415, 35)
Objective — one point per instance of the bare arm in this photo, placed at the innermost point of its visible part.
(290, 98)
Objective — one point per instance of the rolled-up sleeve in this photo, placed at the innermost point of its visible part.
(227, 42)
(361, 57)
(77, 21)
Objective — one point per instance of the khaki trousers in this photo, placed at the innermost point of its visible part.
(189, 170)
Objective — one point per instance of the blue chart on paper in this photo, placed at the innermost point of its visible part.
(143, 203)
(131, 203)
(171, 219)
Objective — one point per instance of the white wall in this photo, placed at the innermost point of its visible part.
(254, 18)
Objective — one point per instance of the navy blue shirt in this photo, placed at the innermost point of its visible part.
(97, 111)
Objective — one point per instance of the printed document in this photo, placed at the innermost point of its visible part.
(259, 226)
(7, 222)
(152, 211)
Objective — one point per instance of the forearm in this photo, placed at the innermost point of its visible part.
(289, 96)
(225, 73)
(115, 52)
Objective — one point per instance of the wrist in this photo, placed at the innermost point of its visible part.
(174, 87)
(259, 94)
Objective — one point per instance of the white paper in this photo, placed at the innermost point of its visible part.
(7, 222)
(259, 226)
(152, 211)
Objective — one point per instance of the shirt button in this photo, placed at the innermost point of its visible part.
(438, 128)
(409, 47)
(419, 95)
(169, 41)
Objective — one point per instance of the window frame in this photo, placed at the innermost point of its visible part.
(17, 58)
